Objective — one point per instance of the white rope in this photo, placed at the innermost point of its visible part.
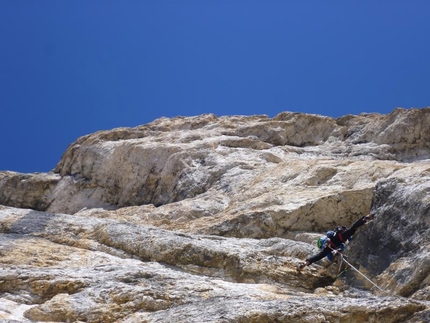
(368, 279)
(343, 258)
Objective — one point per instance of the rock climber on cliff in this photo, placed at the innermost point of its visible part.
(334, 241)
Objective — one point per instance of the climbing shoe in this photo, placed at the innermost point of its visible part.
(303, 265)
(369, 217)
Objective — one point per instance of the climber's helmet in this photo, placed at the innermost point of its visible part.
(340, 228)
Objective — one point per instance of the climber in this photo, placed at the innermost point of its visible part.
(335, 242)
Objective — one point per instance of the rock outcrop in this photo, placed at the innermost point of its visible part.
(205, 219)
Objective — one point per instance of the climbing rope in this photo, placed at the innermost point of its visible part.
(349, 264)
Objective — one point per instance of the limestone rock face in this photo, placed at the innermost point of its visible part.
(401, 237)
(205, 219)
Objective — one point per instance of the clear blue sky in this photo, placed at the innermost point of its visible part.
(70, 68)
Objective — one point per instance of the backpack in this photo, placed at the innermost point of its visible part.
(321, 241)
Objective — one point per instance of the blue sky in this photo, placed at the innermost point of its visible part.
(70, 68)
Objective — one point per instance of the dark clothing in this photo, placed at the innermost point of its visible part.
(337, 240)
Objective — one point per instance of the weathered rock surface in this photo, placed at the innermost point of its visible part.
(205, 219)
